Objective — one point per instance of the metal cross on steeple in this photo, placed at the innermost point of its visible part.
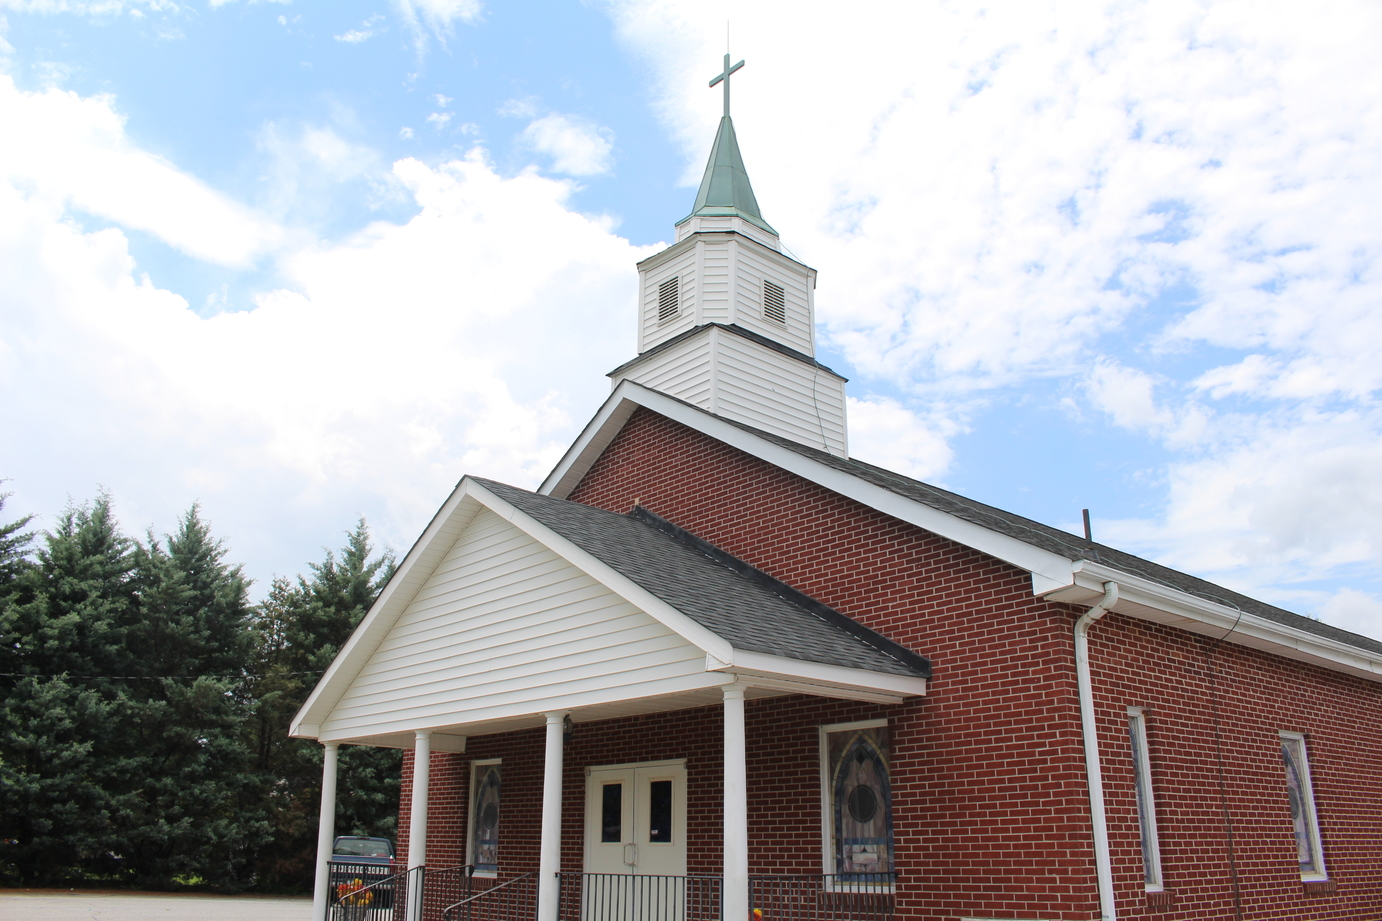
(724, 75)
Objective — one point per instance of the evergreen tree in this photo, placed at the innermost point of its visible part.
(198, 815)
(301, 627)
(64, 776)
(121, 755)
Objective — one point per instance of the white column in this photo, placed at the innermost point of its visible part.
(549, 853)
(417, 821)
(326, 834)
(736, 809)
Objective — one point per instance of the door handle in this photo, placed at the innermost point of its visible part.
(630, 855)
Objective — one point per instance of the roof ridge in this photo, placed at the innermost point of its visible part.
(829, 615)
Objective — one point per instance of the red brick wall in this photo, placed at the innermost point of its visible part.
(990, 803)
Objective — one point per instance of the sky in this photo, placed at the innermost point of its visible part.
(300, 262)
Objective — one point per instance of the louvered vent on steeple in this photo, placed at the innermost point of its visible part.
(668, 300)
(774, 304)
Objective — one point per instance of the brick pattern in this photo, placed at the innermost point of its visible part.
(990, 803)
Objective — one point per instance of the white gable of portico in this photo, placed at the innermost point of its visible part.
(505, 628)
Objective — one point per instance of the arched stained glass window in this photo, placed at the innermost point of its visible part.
(859, 814)
(484, 817)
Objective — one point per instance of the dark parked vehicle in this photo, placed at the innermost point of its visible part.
(358, 863)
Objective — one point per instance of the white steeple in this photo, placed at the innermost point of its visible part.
(727, 320)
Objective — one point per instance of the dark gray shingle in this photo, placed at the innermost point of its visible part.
(748, 608)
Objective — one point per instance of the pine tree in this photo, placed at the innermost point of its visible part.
(301, 627)
(64, 776)
(121, 753)
(198, 812)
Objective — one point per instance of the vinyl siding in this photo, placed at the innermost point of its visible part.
(505, 627)
(684, 267)
(779, 394)
(753, 269)
(682, 371)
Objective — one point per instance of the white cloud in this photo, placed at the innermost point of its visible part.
(437, 17)
(400, 357)
(368, 29)
(1276, 503)
(887, 434)
(1127, 394)
(306, 164)
(577, 146)
(92, 7)
(1354, 610)
(438, 120)
(74, 152)
(519, 108)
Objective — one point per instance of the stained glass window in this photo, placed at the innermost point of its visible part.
(484, 817)
(1302, 801)
(859, 813)
(1146, 806)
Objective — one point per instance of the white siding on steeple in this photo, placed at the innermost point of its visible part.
(755, 267)
(779, 394)
(731, 376)
(652, 329)
(721, 280)
(505, 627)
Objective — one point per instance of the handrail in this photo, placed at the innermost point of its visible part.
(446, 912)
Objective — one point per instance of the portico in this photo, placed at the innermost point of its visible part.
(517, 612)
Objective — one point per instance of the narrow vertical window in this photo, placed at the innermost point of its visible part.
(668, 300)
(611, 813)
(1146, 805)
(774, 303)
(1302, 799)
(857, 801)
(660, 812)
(484, 817)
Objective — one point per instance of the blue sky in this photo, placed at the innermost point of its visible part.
(303, 261)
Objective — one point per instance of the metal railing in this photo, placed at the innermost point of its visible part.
(510, 900)
(823, 897)
(369, 892)
(638, 897)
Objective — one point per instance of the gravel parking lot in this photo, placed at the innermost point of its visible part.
(94, 905)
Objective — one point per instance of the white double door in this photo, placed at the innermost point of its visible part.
(635, 819)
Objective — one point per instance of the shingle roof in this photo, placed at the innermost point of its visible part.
(748, 608)
(1060, 542)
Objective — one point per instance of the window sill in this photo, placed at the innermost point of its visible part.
(1319, 886)
(1161, 899)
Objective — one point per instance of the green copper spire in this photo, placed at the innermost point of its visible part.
(725, 189)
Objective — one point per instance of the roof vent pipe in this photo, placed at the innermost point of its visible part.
(1103, 865)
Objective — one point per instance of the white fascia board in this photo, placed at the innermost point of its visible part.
(412, 573)
(591, 443)
(1051, 567)
(1147, 600)
(783, 673)
(674, 620)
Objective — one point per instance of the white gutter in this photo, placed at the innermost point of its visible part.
(1103, 865)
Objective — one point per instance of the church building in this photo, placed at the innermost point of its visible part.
(713, 667)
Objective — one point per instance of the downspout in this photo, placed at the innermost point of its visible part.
(1103, 865)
